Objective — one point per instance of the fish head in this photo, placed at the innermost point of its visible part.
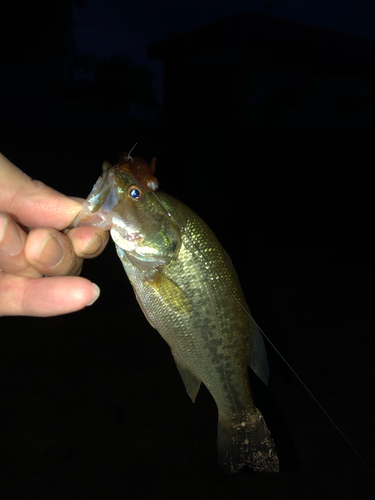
(123, 201)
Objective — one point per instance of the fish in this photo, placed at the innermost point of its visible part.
(188, 289)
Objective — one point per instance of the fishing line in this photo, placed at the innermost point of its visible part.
(182, 229)
(127, 158)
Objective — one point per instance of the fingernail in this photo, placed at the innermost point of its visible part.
(51, 252)
(11, 241)
(94, 246)
(96, 292)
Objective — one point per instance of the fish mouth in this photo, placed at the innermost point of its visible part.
(96, 209)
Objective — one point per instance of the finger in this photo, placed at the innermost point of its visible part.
(33, 203)
(88, 241)
(45, 296)
(52, 253)
(12, 245)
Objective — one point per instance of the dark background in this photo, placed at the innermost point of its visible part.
(91, 405)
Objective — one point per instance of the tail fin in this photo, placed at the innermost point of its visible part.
(246, 441)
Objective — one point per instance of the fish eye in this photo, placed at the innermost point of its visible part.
(135, 193)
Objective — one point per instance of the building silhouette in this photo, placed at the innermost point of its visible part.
(258, 70)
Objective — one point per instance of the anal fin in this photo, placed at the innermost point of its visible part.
(192, 383)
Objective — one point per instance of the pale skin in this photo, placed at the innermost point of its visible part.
(40, 257)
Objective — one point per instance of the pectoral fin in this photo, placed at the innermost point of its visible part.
(192, 383)
(171, 293)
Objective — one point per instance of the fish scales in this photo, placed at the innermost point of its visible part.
(189, 291)
(212, 313)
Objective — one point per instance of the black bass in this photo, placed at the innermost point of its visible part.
(187, 287)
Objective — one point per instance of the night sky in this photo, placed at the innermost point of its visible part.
(113, 27)
(107, 28)
(91, 404)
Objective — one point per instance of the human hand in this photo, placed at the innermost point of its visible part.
(49, 249)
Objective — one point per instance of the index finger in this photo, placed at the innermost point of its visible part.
(31, 202)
